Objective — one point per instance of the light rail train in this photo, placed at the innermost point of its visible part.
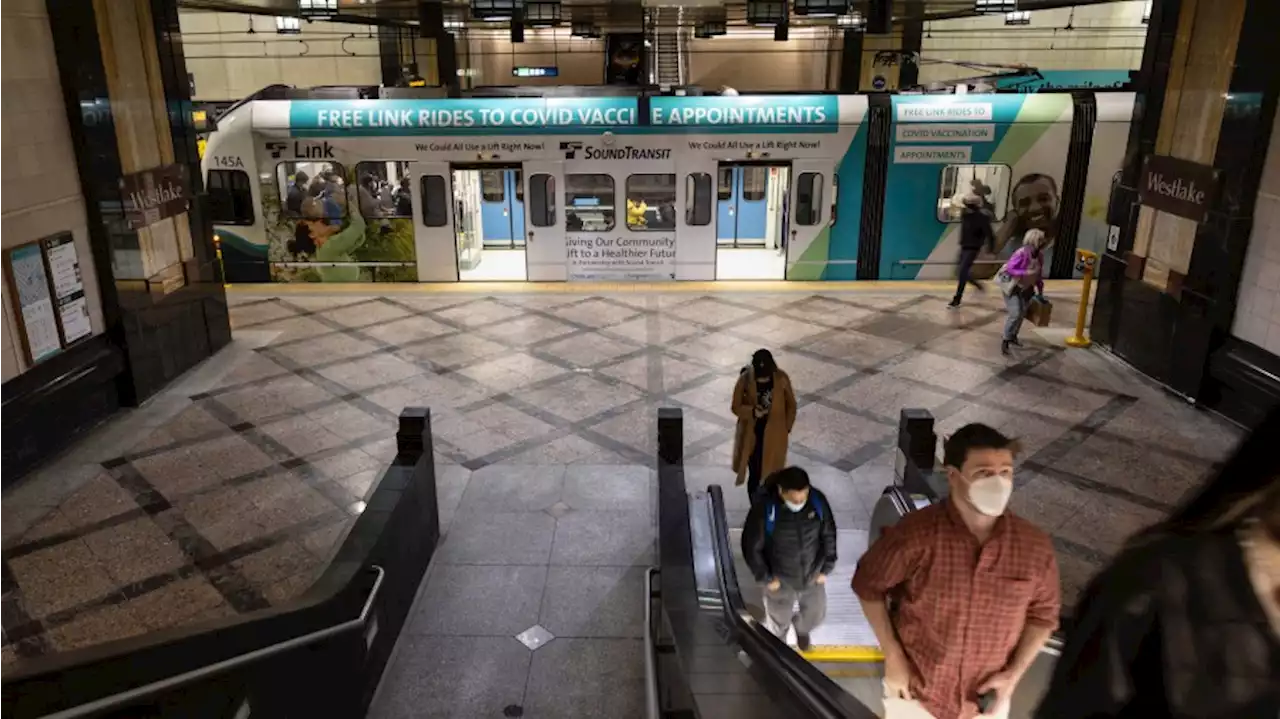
(801, 187)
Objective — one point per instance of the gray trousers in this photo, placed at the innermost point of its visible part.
(781, 608)
(1015, 303)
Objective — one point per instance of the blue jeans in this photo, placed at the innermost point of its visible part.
(1016, 304)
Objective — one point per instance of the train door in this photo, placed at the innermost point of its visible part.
(752, 220)
(502, 202)
(433, 217)
(544, 221)
(812, 199)
(484, 207)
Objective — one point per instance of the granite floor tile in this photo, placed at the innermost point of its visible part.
(275, 563)
(134, 551)
(463, 600)
(587, 678)
(604, 538)
(498, 538)
(627, 488)
(97, 626)
(177, 602)
(347, 463)
(594, 602)
(60, 577)
(439, 677)
(508, 488)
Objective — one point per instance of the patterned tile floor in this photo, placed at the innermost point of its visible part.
(227, 493)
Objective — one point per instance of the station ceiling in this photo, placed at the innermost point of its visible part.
(606, 14)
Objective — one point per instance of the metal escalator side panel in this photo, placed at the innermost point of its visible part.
(821, 696)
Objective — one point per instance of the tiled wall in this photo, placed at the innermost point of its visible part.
(1258, 307)
(40, 192)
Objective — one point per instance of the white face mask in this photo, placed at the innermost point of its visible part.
(793, 506)
(990, 495)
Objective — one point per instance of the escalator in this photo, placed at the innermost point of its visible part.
(845, 652)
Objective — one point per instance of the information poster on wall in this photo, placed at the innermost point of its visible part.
(599, 257)
(30, 284)
(68, 286)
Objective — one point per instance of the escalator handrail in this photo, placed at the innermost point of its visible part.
(816, 690)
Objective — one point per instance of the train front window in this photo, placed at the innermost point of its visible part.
(386, 191)
(230, 197)
(588, 202)
(651, 203)
(312, 189)
(988, 182)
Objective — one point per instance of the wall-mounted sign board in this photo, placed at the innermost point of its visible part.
(535, 72)
(152, 195)
(36, 317)
(46, 279)
(68, 286)
(1179, 187)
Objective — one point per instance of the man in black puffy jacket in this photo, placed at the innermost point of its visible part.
(789, 542)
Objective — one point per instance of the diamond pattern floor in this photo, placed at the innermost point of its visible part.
(230, 498)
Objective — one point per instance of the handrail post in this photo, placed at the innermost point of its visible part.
(670, 435)
(413, 436)
(917, 444)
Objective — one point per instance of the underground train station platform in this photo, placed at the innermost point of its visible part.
(265, 485)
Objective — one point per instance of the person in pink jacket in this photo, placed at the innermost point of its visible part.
(1021, 279)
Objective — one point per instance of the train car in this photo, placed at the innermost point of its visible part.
(1044, 161)
(805, 187)
(543, 189)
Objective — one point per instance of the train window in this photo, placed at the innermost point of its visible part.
(542, 200)
(519, 182)
(651, 203)
(809, 198)
(230, 197)
(990, 182)
(491, 188)
(588, 202)
(697, 198)
(312, 189)
(435, 201)
(754, 181)
(385, 189)
(724, 189)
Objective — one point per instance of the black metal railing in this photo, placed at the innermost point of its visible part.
(320, 655)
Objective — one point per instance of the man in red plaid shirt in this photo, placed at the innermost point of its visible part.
(963, 593)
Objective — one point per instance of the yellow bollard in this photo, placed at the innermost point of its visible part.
(217, 251)
(1085, 260)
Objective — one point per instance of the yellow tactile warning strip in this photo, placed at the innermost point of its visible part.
(1062, 288)
(850, 655)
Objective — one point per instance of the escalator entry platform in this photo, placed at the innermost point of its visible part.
(845, 635)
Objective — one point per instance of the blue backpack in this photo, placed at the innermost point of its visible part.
(771, 512)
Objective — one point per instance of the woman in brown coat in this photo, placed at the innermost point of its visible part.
(765, 406)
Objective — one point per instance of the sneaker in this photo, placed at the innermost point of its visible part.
(953, 304)
(802, 641)
(1004, 347)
